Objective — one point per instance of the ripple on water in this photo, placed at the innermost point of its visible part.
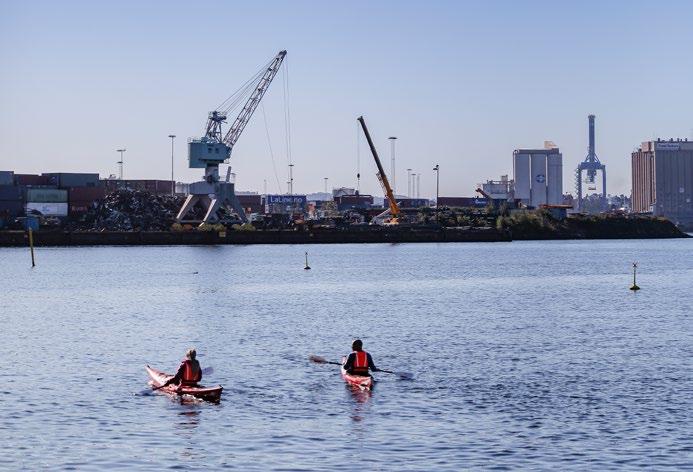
(525, 355)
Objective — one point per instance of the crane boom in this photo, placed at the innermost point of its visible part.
(243, 117)
(394, 208)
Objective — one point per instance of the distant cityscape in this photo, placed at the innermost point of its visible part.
(662, 185)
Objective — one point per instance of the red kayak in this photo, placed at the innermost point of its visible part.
(364, 382)
(212, 394)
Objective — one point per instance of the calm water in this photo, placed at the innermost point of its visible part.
(525, 355)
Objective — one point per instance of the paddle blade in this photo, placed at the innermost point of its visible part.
(405, 375)
(318, 359)
(401, 375)
(207, 371)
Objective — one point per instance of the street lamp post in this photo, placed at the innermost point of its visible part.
(120, 162)
(393, 171)
(437, 169)
(173, 182)
(291, 179)
(325, 178)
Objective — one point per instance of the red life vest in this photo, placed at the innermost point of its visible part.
(190, 376)
(360, 366)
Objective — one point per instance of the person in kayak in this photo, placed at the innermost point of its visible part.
(189, 373)
(359, 361)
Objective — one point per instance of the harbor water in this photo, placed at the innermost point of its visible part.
(525, 355)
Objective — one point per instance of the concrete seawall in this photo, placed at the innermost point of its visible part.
(19, 238)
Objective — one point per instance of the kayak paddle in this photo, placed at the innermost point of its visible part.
(322, 360)
(402, 375)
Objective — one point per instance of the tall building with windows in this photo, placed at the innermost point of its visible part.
(662, 180)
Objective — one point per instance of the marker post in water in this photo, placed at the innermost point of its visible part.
(31, 247)
(635, 268)
(307, 267)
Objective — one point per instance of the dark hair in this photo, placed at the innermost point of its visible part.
(357, 345)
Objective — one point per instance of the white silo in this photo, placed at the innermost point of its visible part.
(538, 176)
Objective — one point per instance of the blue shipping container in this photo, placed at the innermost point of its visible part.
(71, 179)
(11, 209)
(10, 192)
(6, 177)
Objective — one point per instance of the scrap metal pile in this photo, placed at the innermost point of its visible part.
(130, 210)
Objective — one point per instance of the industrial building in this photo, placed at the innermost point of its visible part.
(538, 176)
(662, 179)
(498, 189)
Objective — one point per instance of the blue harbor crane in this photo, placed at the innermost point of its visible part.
(214, 148)
(591, 165)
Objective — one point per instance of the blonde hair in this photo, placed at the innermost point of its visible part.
(191, 353)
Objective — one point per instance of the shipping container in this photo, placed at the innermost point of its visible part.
(409, 202)
(46, 195)
(11, 209)
(47, 208)
(157, 187)
(31, 179)
(80, 208)
(462, 202)
(10, 192)
(6, 177)
(71, 179)
(348, 202)
(86, 194)
(251, 203)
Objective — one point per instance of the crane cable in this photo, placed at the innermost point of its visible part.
(269, 144)
(236, 96)
(241, 95)
(287, 115)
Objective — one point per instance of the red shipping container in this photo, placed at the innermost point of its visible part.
(31, 179)
(86, 194)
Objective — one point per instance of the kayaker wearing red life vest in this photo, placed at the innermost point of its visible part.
(189, 373)
(359, 361)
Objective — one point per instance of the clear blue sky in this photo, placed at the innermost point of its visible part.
(461, 83)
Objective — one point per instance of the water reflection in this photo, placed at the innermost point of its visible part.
(360, 400)
(185, 428)
(188, 420)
